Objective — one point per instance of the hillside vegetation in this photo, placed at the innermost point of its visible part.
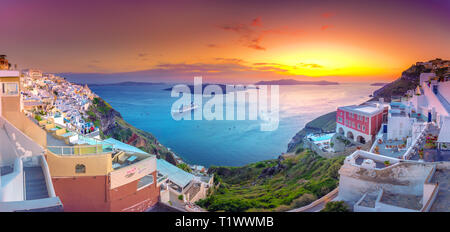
(274, 185)
(112, 124)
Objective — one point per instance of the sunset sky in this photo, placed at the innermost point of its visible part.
(226, 40)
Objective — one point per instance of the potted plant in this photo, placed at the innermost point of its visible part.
(387, 163)
(421, 153)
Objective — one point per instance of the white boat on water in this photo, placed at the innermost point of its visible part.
(187, 108)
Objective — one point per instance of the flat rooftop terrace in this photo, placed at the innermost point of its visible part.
(360, 160)
(402, 200)
(367, 109)
(390, 148)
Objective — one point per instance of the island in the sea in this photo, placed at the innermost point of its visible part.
(127, 83)
(295, 82)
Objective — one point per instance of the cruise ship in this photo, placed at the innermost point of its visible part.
(187, 108)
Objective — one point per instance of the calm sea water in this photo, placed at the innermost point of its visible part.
(228, 143)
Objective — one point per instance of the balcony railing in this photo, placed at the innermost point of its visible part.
(81, 149)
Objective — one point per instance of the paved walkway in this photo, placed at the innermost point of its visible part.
(442, 202)
(319, 204)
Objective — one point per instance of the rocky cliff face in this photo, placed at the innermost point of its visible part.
(409, 80)
(112, 124)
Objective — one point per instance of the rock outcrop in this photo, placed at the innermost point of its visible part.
(112, 124)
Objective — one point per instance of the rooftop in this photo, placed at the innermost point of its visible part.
(175, 174)
(402, 200)
(391, 148)
(367, 108)
(9, 73)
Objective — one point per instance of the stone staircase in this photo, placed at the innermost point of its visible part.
(35, 185)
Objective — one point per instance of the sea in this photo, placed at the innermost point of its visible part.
(227, 142)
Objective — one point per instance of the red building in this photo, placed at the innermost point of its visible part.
(361, 123)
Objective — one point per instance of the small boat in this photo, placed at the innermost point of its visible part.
(187, 108)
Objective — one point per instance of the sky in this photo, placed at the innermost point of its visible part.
(224, 41)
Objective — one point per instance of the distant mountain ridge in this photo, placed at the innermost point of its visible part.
(128, 83)
(295, 82)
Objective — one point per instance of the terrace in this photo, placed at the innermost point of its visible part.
(433, 147)
(122, 159)
(370, 160)
(390, 148)
(322, 140)
(405, 201)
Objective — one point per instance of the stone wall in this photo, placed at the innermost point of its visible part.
(401, 178)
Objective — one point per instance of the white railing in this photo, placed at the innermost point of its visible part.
(378, 136)
(409, 152)
(48, 178)
(12, 184)
(429, 196)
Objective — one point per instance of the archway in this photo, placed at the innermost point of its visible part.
(361, 139)
(350, 135)
(341, 131)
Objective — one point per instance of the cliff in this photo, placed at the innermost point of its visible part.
(409, 80)
(112, 124)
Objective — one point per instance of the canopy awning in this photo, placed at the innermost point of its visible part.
(173, 173)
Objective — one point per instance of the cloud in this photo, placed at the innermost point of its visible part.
(325, 27)
(142, 54)
(247, 36)
(327, 15)
(257, 22)
(229, 60)
(212, 45)
(251, 34)
(304, 65)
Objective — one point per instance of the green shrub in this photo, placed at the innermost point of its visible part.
(180, 197)
(336, 206)
(184, 167)
(38, 117)
(305, 199)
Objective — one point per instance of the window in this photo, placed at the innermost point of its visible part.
(80, 168)
(363, 128)
(359, 126)
(353, 124)
(10, 89)
(367, 119)
(145, 181)
(340, 119)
